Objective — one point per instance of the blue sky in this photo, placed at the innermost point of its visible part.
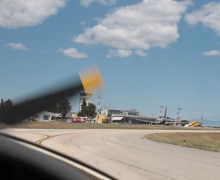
(149, 53)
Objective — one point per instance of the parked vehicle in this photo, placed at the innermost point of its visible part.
(79, 119)
(101, 118)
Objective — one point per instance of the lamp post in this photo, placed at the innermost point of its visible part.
(99, 97)
(161, 107)
(178, 115)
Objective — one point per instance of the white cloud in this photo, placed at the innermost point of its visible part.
(17, 46)
(208, 15)
(22, 13)
(212, 53)
(87, 3)
(73, 53)
(140, 53)
(122, 53)
(138, 27)
(82, 23)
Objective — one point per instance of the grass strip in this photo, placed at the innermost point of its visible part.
(205, 141)
(65, 125)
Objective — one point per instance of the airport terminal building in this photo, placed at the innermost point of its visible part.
(110, 113)
(127, 116)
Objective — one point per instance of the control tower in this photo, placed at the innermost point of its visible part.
(87, 97)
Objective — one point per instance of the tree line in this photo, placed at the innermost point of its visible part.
(7, 103)
(63, 107)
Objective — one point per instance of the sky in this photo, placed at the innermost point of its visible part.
(149, 53)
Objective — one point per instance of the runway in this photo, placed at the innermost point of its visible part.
(126, 154)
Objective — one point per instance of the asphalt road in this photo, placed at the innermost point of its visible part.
(126, 155)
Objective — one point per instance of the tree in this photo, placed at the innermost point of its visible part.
(88, 111)
(64, 107)
(91, 111)
(8, 103)
(83, 110)
(2, 104)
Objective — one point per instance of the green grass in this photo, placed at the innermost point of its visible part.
(65, 125)
(205, 141)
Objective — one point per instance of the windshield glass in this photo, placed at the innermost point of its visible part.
(159, 65)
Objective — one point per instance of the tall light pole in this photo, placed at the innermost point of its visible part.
(99, 97)
(202, 118)
(165, 113)
(178, 114)
(161, 107)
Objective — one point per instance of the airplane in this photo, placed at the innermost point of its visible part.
(194, 124)
(20, 159)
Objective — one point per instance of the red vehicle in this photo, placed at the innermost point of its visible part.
(79, 119)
